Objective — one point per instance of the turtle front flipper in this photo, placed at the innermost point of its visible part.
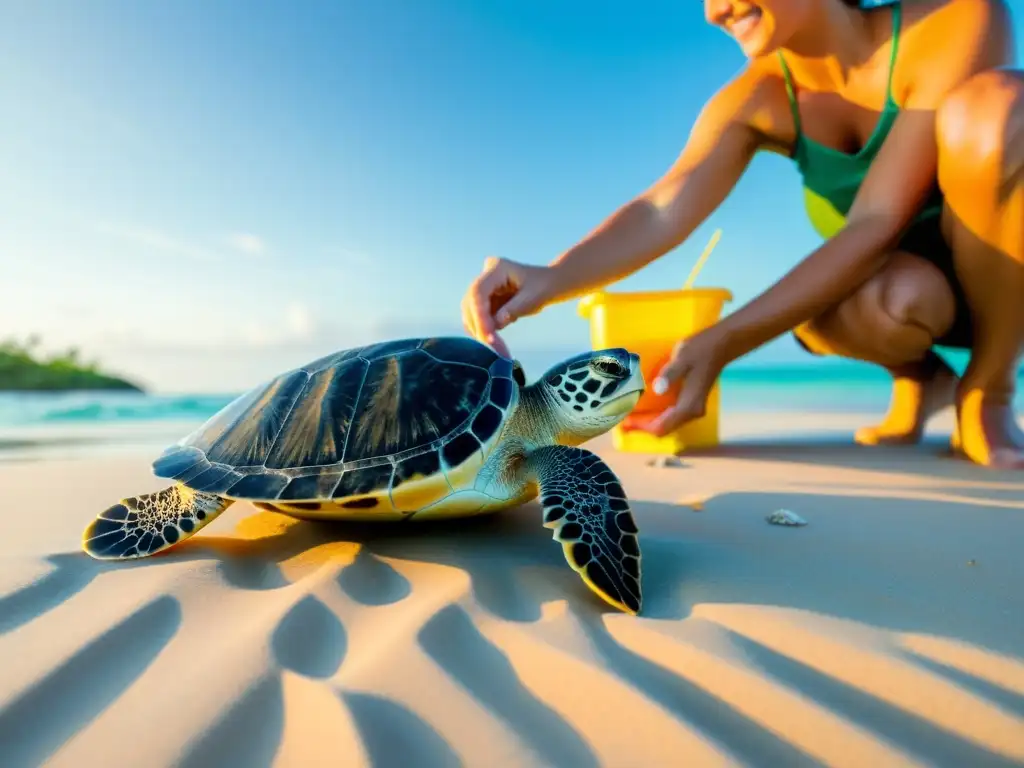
(150, 522)
(585, 505)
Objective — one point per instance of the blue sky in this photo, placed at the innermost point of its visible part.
(202, 193)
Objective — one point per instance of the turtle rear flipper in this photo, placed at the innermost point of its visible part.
(585, 505)
(143, 525)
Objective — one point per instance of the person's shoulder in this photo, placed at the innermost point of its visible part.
(917, 10)
(757, 96)
(939, 25)
(953, 36)
(759, 85)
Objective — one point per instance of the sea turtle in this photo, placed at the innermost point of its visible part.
(407, 430)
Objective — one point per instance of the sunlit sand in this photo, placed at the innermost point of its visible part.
(889, 631)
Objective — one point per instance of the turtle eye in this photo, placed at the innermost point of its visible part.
(609, 367)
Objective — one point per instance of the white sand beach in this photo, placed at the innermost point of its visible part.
(889, 631)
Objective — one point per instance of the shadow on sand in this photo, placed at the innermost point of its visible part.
(895, 565)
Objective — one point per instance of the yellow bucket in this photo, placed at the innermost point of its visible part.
(651, 323)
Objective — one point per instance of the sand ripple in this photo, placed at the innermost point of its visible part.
(267, 642)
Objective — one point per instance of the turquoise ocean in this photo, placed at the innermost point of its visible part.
(36, 424)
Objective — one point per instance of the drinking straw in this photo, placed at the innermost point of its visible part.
(703, 257)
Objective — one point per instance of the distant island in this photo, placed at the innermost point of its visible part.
(23, 369)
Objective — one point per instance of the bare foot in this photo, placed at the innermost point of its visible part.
(918, 393)
(988, 433)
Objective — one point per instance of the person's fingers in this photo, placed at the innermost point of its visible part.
(498, 345)
(523, 303)
(671, 372)
(667, 421)
(691, 404)
(470, 319)
(675, 417)
(504, 292)
(481, 299)
(494, 340)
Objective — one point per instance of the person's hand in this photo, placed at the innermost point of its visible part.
(697, 362)
(504, 292)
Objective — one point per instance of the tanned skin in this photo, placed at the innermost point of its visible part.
(961, 123)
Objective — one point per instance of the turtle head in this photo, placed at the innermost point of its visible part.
(591, 393)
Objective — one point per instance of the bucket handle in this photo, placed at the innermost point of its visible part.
(586, 304)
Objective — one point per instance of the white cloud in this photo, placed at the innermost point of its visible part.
(247, 243)
(300, 321)
(239, 242)
(157, 240)
(295, 326)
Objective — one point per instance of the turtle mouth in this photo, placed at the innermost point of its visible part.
(636, 394)
(634, 388)
(622, 404)
(630, 390)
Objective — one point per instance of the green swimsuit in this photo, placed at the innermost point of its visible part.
(831, 179)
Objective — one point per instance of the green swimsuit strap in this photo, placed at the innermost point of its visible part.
(896, 14)
(788, 77)
(791, 92)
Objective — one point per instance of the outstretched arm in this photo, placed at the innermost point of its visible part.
(721, 144)
(735, 123)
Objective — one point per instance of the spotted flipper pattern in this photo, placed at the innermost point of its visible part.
(151, 522)
(586, 507)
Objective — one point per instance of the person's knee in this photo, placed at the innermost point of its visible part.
(980, 131)
(914, 295)
(850, 329)
(908, 304)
